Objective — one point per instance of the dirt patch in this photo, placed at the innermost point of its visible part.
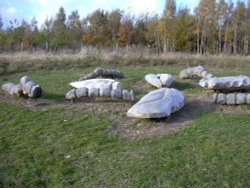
(131, 128)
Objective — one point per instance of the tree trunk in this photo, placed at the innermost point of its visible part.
(225, 40)
(235, 40)
(198, 40)
(245, 45)
(220, 43)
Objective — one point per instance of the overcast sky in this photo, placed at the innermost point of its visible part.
(27, 9)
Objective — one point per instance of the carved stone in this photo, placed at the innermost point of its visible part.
(194, 71)
(232, 98)
(159, 80)
(226, 83)
(157, 104)
(107, 73)
(26, 87)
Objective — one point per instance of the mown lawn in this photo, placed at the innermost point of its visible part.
(72, 147)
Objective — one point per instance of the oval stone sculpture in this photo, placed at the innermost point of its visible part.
(159, 80)
(232, 98)
(226, 83)
(194, 71)
(157, 104)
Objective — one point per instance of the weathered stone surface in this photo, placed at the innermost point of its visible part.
(153, 80)
(241, 98)
(16, 90)
(197, 71)
(226, 83)
(166, 79)
(157, 104)
(7, 87)
(193, 71)
(231, 98)
(99, 72)
(132, 96)
(220, 98)
(81, 92)
(117, 86)
(248, 98)
(26, 87)
(71, 94)
(97, 83)
(116, 94)
(159, 80)
(93, 92)
(126, 95)
(105, 92)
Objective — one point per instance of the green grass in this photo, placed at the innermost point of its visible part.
(70, 146)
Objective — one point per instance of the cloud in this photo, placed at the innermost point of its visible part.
(42, 9)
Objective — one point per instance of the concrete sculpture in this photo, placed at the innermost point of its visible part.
(26, 87)
(158, 104)
(232, 98)
(159, 80)
(232, 83)
(106, 73)
(99, 88)
(198, 71)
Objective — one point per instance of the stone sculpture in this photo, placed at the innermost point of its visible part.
(26, 87)
(232, 98)
(159, 80)
(106, 73)
(100, 92)
(232, 83)
(194, 71)
(99, 88)
(158, 104)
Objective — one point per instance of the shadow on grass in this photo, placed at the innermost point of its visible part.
(191, 110)
(53, 96)
(184, 85)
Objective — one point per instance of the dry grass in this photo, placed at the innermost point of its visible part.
(27, 61)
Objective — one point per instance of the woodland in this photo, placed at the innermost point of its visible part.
(213, 27)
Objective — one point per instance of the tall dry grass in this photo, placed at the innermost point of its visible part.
(26, 61)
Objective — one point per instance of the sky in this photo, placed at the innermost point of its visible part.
(42, 9)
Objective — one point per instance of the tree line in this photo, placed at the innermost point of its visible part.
(215, 27)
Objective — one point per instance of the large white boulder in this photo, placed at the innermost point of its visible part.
(157, 104)
(159, 80)
(226, 83)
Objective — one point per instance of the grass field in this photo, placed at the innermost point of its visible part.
(48, 142)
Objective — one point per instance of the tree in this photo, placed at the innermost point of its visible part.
(126, 31)
(59, 30)
(114, 23)
(184, 27)
(97, 32)
(166, 26)
(141, 29)
(152, 33)
(75, 28)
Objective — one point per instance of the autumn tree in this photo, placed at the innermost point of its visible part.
(166, 26)
(126, 31)
(114, 23)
